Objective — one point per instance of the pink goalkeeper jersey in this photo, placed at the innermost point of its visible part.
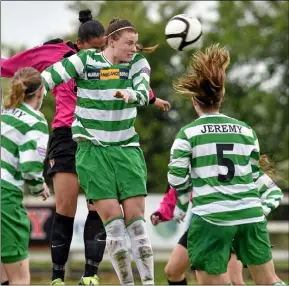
(167, 204)
(40, 58)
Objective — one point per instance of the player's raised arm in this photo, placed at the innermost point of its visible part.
(63, 71)
(39, 57)
(140, 74)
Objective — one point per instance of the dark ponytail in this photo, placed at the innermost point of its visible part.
(84, 16)
(89, 28)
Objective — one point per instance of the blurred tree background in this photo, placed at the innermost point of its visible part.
(255, 33)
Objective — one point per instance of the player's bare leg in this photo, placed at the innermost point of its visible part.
(18, 272)
(177, 265)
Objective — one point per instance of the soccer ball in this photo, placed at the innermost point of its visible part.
(182, 32)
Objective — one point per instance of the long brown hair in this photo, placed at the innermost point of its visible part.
(205, 80)
(267, 165)
(25, 83)
(142, 49)
(116, 27)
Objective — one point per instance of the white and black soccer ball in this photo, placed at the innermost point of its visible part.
(182, 32)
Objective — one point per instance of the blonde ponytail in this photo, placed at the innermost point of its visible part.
(23, 79)
(16, 96)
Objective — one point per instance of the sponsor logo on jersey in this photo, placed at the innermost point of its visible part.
(107, 74)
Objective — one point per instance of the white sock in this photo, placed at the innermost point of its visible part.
(118, 251)
(142, 251)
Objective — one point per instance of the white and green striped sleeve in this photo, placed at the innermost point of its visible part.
(32, 153)
(140, 75)
(254, 158)
(271, 194)
(64, 70)
(179, 176)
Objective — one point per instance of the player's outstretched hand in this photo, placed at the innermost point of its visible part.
(123, 94)
(179, 214)
(46, 192)
(156, 218)
(162, 104)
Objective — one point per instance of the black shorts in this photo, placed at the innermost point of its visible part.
(183, 239)
(61, 152)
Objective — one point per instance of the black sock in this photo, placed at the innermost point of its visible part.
(183, 282)
(5, 283)
(61, 236)
(94, 237)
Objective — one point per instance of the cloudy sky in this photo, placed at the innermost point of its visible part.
(30, 23)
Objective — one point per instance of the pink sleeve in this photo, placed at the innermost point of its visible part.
(151, 94)
(39, 58)
(167, 205)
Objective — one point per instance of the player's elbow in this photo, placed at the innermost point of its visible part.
(176, 182)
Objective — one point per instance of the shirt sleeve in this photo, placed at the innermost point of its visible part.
(179, 176)
(152, 97)
(167, 205)
(31, 157)
(254, 158)
(271, 194)
(63, 71)
(39, 58)
(140, 74)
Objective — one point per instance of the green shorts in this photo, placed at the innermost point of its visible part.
(15, 232)
(209, 245)
(111, 172)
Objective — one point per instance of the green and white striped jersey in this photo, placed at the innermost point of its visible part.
(217, 158)
(100, 117)
(24, 138)
(271, 194)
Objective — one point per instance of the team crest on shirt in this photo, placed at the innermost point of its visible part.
(94, 73)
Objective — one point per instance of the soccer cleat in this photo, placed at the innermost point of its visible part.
(57, 281)
(93, 280)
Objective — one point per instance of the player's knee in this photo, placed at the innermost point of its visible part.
(172, 273)
(66, 206)
(136, 229)
(237, 280)
(115, 229)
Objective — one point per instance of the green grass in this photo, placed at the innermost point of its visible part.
(41, 272)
